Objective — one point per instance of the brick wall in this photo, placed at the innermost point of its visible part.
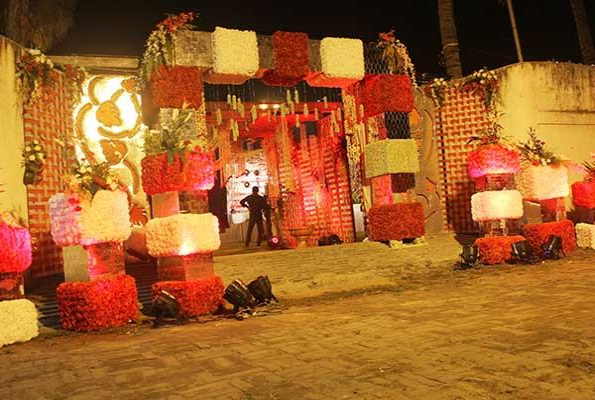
(45, 120)
(461, 117)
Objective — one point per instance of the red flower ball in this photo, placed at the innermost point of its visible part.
(583, 194)
(397, 221)
(196, 174)
(15, 248)
(386, 92)
(538, 234)
(195, 297)
(496, 249)
(101, 304)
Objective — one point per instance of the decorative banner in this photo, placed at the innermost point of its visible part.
(108, 125)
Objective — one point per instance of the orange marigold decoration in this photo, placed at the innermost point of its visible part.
(386, 92)
(195, 173)
(396, 221)
(101, 304)
(195, 297)
(496, 249)
(538, 235)
(172, 87)
(291, 59)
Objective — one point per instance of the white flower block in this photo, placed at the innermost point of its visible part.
(235, 56)
(106, 218)
(342, 63)
(64, 220)
(18, 321)
(391, 156)
(497, 204)
(543, 182)
(585, 236)
(183, 234)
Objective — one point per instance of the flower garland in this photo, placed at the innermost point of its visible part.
(75, 77)
(482, 83)
(396, 55)
(160, 46)
(34, 71)
(33, 159)
(291, 59)
(101, 304)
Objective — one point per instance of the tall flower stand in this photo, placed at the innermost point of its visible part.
(18, 316)
(183, 243)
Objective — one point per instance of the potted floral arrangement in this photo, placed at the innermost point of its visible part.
(544, 175)
(175, 161)
(34, 71)
(33, 161)
(494, 156)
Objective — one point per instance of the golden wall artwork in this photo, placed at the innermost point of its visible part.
(108, 125)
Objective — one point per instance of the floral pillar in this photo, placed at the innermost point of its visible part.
(19, 316)
(497, 207)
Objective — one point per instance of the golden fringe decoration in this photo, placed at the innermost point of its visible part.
(219, 116)
(296, 95)
(306, 111)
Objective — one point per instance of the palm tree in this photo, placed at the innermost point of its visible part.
(36, 23)
(450, 44)
(584, 34)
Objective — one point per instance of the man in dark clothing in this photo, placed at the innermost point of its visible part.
(255, 204)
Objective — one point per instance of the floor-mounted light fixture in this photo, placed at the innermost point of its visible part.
(521, 252)
(238, 295)
(262, 290)
(165, 305)
(469, 256)
(552, 249)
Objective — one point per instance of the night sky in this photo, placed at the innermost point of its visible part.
(546, 27)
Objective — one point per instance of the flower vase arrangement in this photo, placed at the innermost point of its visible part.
(395, 55)
(544, 174)
(175, 161)
(33, 159)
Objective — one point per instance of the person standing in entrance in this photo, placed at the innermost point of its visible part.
(255, 203)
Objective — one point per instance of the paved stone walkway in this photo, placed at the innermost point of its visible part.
(495, 333)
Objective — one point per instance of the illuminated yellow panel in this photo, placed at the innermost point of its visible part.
(108, 117)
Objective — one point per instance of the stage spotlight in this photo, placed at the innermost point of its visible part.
(521, 251)
(469, 256)
(238, 295)
(274, 243)
(166, 305)
(552, 248)
(262, 290)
